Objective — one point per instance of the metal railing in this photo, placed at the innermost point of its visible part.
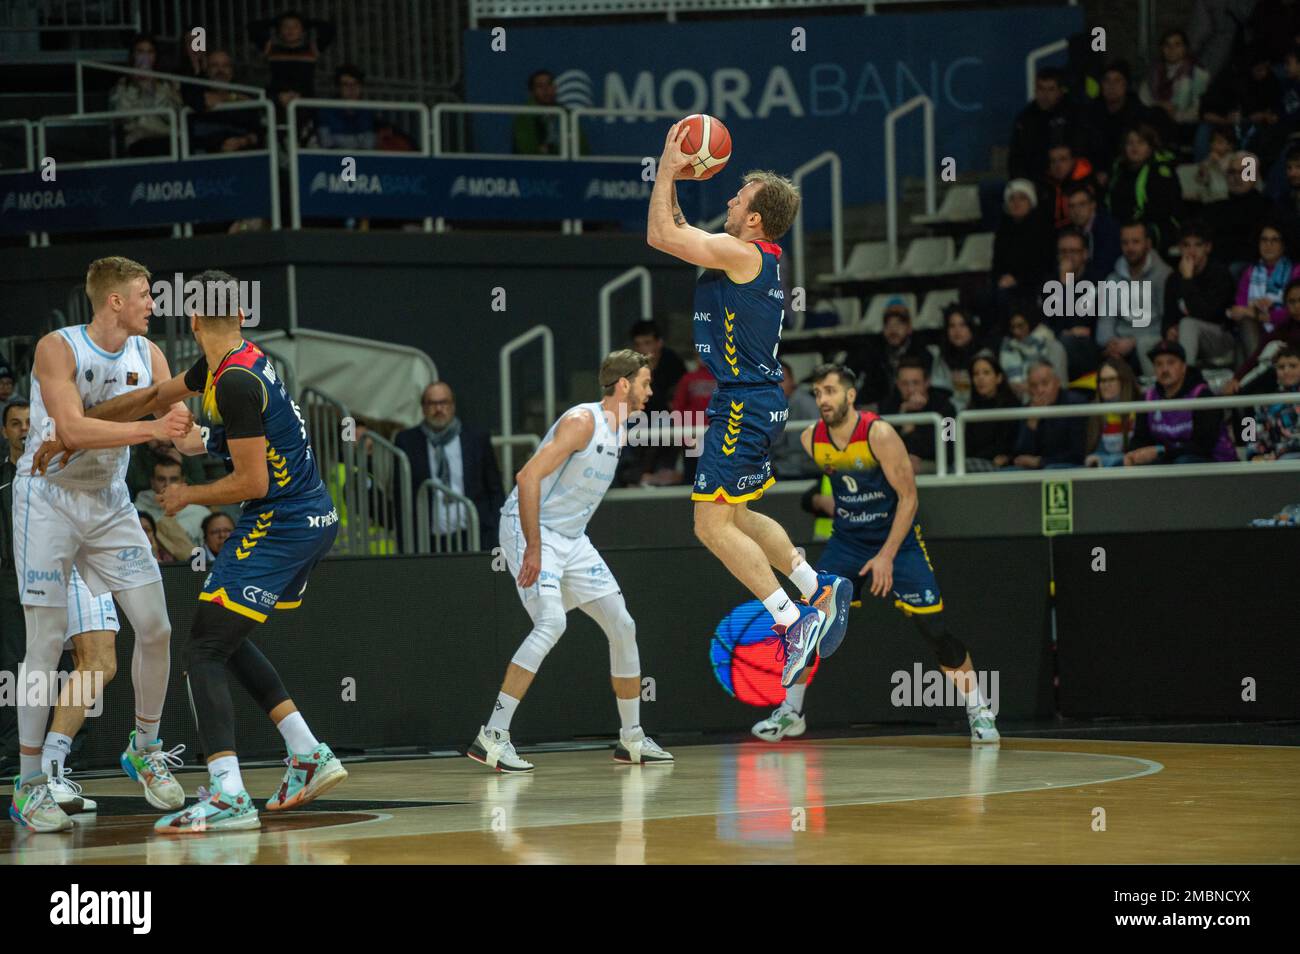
(832, 160)
(496, 109)
(445, 521)
(107, 117)
(1039, 53)
(891, 168)
(576, 115)
(83, 65)
(294, 150)
(272, 149)
(63, 16)
(531, 441)
(29, 140)
(1094, 410)
(639, 274)
(507, 388)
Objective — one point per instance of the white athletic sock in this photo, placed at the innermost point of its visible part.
(503, 712)
(974, 699)
(57, 747)
(146, 733)
(794, 696)
(224, 773)
(804, 577)
(629, 712)
(297, 736)
(782, 608)
(29, 765)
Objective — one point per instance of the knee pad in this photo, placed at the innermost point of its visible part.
(548, 627)
(610, 613)
(215, 636)
(949, 650)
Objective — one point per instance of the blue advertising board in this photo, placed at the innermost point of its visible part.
(783, 105)
(204, 189)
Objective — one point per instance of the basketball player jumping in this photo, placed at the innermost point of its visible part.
(80, 514)
(288, 523)
(739, 306)
(544, 540)
(875, 535)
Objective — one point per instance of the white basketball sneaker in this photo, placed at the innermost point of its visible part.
(69, 796)
(34, 808)
(783, 722)
(983, 731)
(494, 749)
(637, 748)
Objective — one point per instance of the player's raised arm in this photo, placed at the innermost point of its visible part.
(55, 369)
(666, 227)
(572, 434)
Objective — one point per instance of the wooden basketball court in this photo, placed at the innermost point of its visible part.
(899, 799)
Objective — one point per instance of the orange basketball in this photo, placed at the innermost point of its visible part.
(708, 144)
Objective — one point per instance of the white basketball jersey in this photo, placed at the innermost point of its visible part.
(571, 494)
(100, 375)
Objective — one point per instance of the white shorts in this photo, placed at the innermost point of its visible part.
(572, 569)
(88, 613)
(98, 531)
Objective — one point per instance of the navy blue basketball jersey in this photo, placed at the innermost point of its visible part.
(291, 466)
(864, 498)
(738, 326)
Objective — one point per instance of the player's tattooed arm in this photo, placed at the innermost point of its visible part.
(572, 434)
(678, 218)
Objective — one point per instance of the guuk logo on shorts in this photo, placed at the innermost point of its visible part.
(51, 576)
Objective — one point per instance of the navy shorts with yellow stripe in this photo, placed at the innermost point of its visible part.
(735, 460)
(915, 588)
(265, 562)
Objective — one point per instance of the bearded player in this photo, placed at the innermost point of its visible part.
(80, 514)
(875, 537)
(739, 307)
(544, 539)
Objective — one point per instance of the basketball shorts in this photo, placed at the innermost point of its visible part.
(98, 531)
(573, 571)
(265, 562)
(735, 461)
(88, 613)
(915, 588)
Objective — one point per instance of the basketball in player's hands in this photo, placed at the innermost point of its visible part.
(707, 144)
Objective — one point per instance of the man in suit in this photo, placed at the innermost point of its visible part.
(458, 455)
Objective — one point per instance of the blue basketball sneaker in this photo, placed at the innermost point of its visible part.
(800, 642)
(833, 596)
(214, 811)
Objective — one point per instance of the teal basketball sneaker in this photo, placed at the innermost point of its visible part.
(214, 811)
(307, 777)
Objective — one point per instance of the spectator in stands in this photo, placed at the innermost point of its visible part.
(1176, 84)
(1236, 218)
(346, 128)
(1029, 341)
(912, 395)
(1022, 244)
(1258, 308)
(1050, 119)
(226, 130)
(690, 401)
(647, 464)
(1049, 442)
(1075, 331)
(539, 134)
(1213, 30)
(877, 360)
(1288, 104)
(989, 444)
(1109, 118)
(1109, 436)
(6, 383)
(168, 473)
(1123, 336)
(1064, 170)
(1246, 97)
(1278, 425)
(1275, 24)
(1099, 230)
(1287, 208)
(459, 456)
(160, 553)
(1256, 374)
(217, 528)
(1143, 186)
(1179, 437)
(145, 135)
(789, 459)
(1211, 182)
(139, 472)
(291, 45)
(951, 358)
(1197, 297)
